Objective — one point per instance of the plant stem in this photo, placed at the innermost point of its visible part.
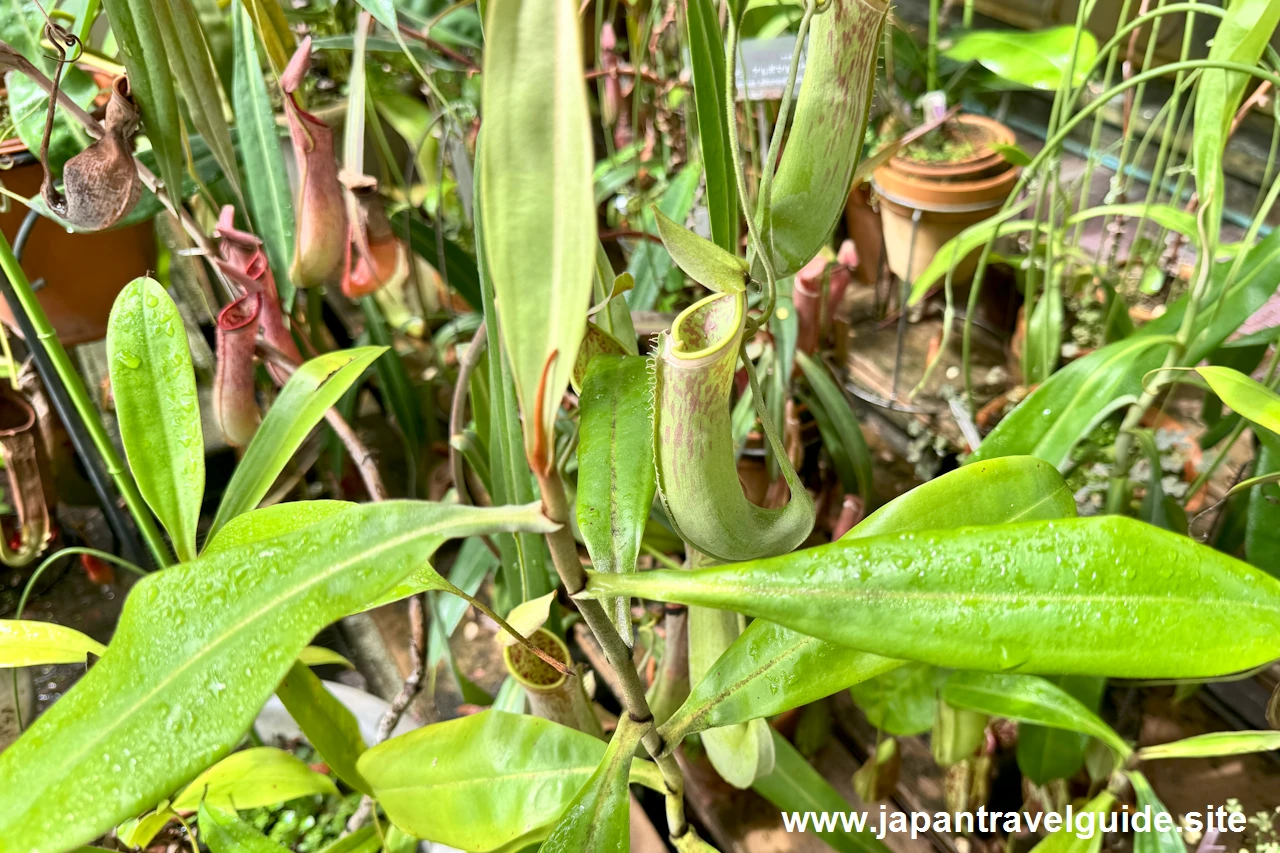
(765, 202)
(457, 410)
(48, 338)
(1117, 491)
(662, 558)
(564, 554)
(931, 58)
(735, 152)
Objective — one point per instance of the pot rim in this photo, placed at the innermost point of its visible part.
(983, 160)
(944, 197)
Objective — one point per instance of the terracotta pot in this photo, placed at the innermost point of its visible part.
(950, 197)
(865, 231)
(82, 272)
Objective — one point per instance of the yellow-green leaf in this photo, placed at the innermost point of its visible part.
(320, 656)
(252, 778)
(1214, 744)
(701, 260)
(536, 200)
(30, 643)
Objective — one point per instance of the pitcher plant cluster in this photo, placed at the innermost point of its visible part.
(581, 452)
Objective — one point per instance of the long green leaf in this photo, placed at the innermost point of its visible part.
(1165, 836)
(326, 722)
(1028, 699)
(255, 777)
(794, 786)
(152, 714)
(197, 80)
(155, 392)
(133, 23)
(616, 480)
(1103, 596)
(706, 60)
(223, 831)
(849, 452)
(309, 393)
(1165, 215)
(1213, 744)
(1262, 525)
(1250, 398)
(816, 169)
(524, 558)
(266, 181)
(771, 669)
(481, 782)
(1064, 409)
(1242, 36)
(1044, 753)
(27, 643)
(599, 818)
(536, 200)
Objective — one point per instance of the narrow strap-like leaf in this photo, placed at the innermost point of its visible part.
(28, 643)
(309, 393)
(266, 181)
(1097, 596)
(136, 29)
(616, 480)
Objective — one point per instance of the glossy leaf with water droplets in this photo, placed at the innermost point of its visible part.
(154, 387)
(771, 669)
(1100, 596)
(151, 715)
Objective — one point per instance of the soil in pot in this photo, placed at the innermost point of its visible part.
(953, 178)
